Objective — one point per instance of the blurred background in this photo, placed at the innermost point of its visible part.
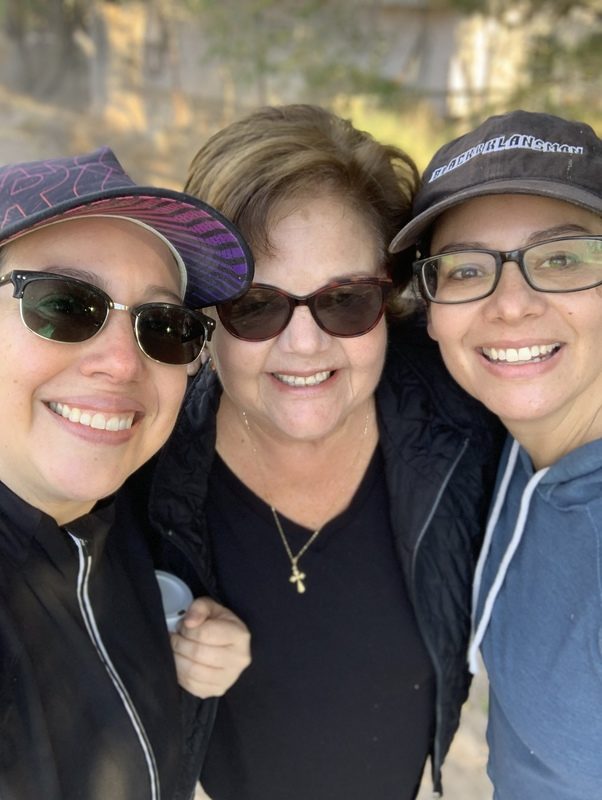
(154, 79)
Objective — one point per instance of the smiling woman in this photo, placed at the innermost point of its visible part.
(510, 217)
(103, 377)
(91, 388)
(334, 473)
(530, 354)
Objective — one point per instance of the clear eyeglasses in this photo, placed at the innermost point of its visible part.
(568, 264)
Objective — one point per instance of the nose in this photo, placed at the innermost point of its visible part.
(114, 352)
(302, 334)
(513, 298)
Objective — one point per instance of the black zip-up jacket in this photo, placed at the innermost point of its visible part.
(89, 700)
(440, 450)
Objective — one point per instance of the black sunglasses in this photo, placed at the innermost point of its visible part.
(348, 308)
(69, 310)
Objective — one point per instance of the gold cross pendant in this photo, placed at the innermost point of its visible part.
(298, 577)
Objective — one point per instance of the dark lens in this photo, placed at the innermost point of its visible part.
(259, 314)
(63, 310)
(349, 310)
(168, 333)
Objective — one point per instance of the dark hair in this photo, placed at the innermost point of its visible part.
(276, 153)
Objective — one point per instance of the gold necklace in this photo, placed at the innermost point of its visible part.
(297, 577)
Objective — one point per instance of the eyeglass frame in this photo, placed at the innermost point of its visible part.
(20, 279)
(501, 257)
(385, 285)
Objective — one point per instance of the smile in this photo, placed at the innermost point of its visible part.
(93, 419)
(521, 355)
(299, 380)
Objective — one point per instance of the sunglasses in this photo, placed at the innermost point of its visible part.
(67, 310)
(347, 308)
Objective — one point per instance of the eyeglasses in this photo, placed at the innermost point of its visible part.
(570, 264)
(347, 308)
(70, 310)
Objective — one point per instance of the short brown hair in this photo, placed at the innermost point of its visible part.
(277, 153)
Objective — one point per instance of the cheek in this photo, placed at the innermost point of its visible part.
(170, 386)
(430, 327)
(447, 325)
(234, 358)
(366, 354)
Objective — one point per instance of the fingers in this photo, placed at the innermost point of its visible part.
(205, 609)
(211, 648)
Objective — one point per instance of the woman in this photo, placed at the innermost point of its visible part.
(512, 268)
(89, 704)
(338, 507)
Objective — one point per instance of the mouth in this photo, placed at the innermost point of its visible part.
(521, 355)
(93, 419)
(303, 380)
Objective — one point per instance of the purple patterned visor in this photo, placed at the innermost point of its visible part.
(217, 259)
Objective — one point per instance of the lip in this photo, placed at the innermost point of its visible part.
(524, 354)
(108, 420)
(519, 365)
(505, 344)
(285, 379)
(103, 403)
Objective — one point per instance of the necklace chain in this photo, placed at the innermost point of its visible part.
(297, 578)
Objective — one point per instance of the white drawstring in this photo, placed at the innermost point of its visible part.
(478, 635)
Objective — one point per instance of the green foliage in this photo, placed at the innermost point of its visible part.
(320, 48)
(565, 61)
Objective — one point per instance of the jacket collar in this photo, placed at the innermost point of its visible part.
(22, 523)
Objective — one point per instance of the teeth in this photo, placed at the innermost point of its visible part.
(96, 420)
(298, 380)
(512, 355)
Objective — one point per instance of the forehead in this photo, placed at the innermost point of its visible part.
(518, 211)
(513, 217)
(94, 243)
(326, 224)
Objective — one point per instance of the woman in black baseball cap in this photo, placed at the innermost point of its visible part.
(100, 282)
(509, 223)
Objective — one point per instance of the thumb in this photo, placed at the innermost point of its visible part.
(199, 611)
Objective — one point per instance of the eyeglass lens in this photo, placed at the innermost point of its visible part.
(349, 309)
(65, 310)
(560, 265)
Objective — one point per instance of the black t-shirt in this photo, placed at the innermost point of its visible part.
(338, 703)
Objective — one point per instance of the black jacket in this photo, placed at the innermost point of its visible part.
(440, 449)
(89, 701)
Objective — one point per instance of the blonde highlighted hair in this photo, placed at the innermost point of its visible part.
(282, 153)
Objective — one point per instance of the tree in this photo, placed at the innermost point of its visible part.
(263, 45)
(44, 35)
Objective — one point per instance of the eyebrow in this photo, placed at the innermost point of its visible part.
(96, 280)
(557, 230)
(537, 236)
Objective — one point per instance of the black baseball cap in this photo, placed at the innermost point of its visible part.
(521, 152)
(213, 258)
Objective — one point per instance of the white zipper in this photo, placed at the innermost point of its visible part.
(83, 598)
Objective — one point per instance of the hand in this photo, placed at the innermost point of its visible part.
(211, 649)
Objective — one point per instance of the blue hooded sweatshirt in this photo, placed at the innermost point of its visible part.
(538, 620)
